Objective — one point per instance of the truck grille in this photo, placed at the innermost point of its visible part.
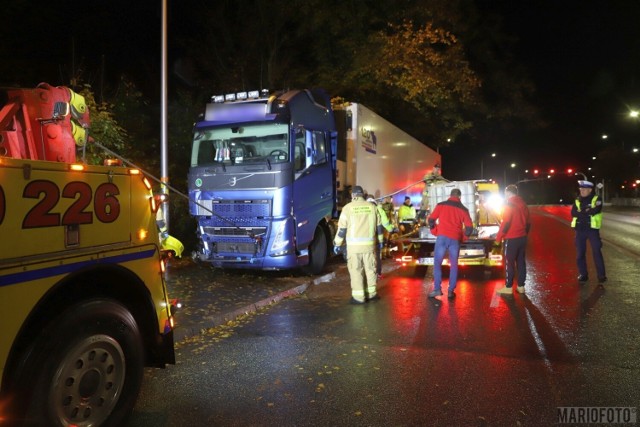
(235, 247)
(234, 209)
(234, 222)
(234, 231)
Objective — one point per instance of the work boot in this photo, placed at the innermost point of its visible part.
(601, 280)
(507, 290)
(354, 301)
(520, 289)
(451, 295)
(376, 297)
(582, 278)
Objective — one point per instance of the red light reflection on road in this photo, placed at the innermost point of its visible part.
(408, 297)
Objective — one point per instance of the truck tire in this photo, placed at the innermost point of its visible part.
(318, 251)
(86, 368)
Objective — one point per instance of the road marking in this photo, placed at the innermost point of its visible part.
(551, 376)
(536, 337)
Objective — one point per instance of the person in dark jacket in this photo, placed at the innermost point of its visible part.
(587, 219)
(451, 223)
(514, 230)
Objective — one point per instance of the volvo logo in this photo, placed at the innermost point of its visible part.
(232, 181)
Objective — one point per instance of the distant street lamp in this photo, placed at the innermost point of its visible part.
(634, 114)
(482, 165)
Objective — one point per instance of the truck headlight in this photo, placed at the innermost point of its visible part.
(282, 240)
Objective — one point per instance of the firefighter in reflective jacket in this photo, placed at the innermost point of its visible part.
(361, 228)
(388, 229)
(587, 219)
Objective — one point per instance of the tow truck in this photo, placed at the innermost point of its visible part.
(415, 248)
(83, 301)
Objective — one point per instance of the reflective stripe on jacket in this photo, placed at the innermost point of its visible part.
(359, 225)
(384, 219)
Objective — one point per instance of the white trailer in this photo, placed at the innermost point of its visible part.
(380, 157)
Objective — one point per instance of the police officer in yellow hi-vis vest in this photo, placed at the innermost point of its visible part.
(587, 219)
(361, 228)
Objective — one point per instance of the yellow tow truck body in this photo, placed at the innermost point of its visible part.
(81, 273)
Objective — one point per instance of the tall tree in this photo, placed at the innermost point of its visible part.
(445, 75)
(426, 67)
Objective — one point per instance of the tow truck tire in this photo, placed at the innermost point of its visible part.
(87, 367)
(318, 251)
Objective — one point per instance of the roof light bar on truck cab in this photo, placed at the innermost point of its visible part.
(240, 96)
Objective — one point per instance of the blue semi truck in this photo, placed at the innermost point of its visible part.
(270, 172)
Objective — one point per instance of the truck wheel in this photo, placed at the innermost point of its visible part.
(86, 367)
(318, 250)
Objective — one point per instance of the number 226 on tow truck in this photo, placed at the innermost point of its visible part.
(83, 302)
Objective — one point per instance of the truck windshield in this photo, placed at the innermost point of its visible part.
(246, 144)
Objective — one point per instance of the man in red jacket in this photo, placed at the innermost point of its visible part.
(514, 229)
(446, 222)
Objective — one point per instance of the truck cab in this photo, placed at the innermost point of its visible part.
(262, 180)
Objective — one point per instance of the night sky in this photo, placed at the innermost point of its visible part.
(583, 57)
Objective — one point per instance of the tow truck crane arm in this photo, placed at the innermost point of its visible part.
(34, 124)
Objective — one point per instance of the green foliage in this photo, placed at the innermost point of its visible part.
(104, 128)
(140, 117)
(427, 68)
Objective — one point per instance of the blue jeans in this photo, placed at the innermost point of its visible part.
(443, 245)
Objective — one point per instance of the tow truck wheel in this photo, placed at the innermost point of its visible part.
(87, 367)
(318, 250)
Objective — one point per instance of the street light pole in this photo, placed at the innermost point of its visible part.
(164, 148)
(504, 182)
(583, 175)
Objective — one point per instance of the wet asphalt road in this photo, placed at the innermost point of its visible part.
(481, 359)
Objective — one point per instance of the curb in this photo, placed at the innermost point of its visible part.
(180, 333)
